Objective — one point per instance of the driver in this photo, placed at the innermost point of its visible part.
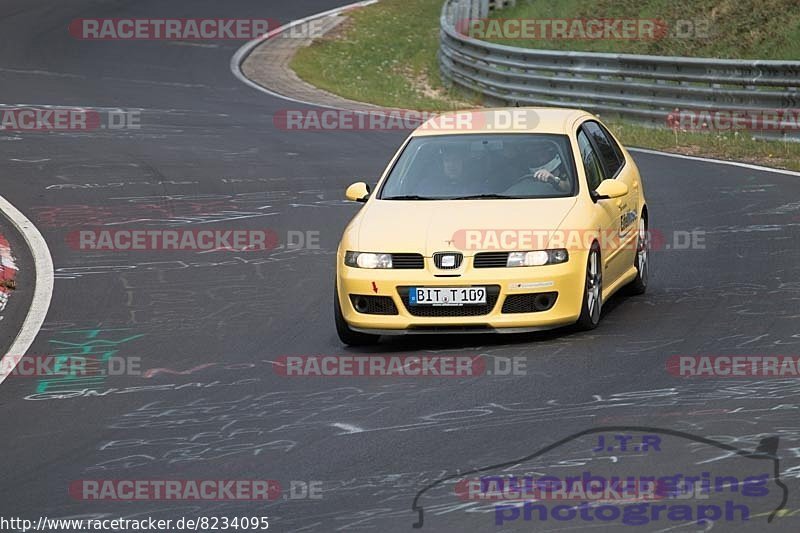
(455, 172)
(460, 171)
(453, 163)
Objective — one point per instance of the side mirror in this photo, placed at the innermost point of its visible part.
(610, 189)
(357, 192)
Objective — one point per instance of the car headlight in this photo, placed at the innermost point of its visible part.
(537, 258)
(367, 260)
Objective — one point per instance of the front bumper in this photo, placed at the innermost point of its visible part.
(567, 280)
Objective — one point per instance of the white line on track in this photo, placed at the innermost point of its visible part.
(347, 427)
(717, 161)
(42, 292)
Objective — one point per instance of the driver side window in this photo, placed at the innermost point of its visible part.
(591, 163)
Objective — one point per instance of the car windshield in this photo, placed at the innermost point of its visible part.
(461, 167)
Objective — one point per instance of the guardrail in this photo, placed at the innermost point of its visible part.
(640, 87)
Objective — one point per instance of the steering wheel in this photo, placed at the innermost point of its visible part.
(530, 176)
(539, 187)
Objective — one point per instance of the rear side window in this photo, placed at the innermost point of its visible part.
(608, 150)
(591, 163)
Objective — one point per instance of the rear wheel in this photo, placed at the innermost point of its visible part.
(642, 260)
(592, 292)
(347, 335)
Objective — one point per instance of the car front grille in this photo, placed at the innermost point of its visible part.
(492, 294)
(408, 261)
(529, 302)
(490, 260)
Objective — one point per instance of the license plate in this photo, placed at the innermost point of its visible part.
(447, 295)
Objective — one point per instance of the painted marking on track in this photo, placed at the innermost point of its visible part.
(42, 292)
(349, 428)
(717, 161)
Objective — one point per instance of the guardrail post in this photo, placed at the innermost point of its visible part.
(474, 9)
(484, 9)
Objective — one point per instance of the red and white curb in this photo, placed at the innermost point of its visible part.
(42, 291)
(8, 273)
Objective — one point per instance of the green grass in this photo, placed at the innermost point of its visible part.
(729, 146)
(736, 29)
(386, 55)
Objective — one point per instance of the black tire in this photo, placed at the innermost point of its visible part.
(347, 335)
(593, 284)
(641, 260)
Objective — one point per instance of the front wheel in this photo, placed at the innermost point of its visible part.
(347, 335)
(592, 292)
(642, 260)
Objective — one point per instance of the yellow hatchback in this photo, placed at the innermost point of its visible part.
(498, 220)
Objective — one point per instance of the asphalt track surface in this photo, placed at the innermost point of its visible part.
(223, 318)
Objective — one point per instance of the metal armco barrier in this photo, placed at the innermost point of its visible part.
(639, 87)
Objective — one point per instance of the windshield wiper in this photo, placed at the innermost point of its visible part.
(481, 196)
(409, 197)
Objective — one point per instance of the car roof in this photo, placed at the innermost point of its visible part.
(502, 120)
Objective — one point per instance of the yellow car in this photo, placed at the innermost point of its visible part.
(500, 220)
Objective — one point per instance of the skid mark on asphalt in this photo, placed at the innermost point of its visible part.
(103, 266)
(299, 415)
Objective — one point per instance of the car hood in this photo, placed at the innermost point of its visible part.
(428, 226)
